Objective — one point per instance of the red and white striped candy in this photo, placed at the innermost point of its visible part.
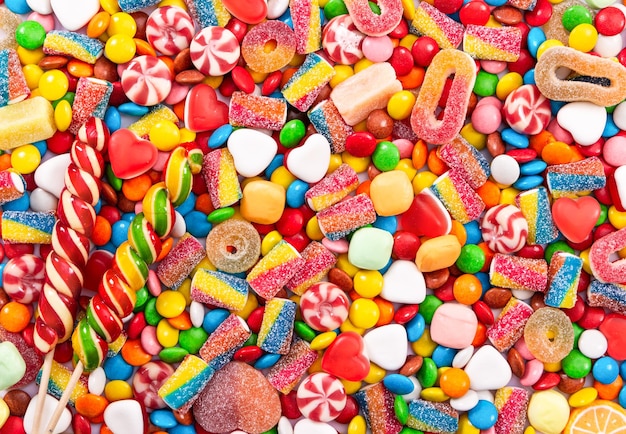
(526, 110)
(148, 380)
(95, 133)
(321, 397)
(82, 184)
(76, 213)
(70, 245)
(342, 41)
(214, 51)
(146, 80)
(324, 306)
(169, 30)
(57, 311)
(504, 229)
(65, 276)
(23, 278)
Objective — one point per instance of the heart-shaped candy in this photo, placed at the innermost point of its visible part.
(130, 155)
(386, 346)
(346, 357)
(40, 6)
(309, 162)
(252, 151)
(426, 216)
(584, 120)
(576, 218)
(74, 14)
(404, 283)
(203, 112)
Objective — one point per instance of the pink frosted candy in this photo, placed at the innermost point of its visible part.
(373, 24)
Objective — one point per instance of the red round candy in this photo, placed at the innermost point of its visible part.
(13, 250)
(540, 14)
(248, 354)
(621, 57)
(255, 319)
(299, 241)
(406, 313)
(448, 6)
(594, 150)
(523, 64)
(533, 252)
(60, 142)
(445, 292)
(583, 282)
(405, 245)
(290, 223)
(548, 380)
(80, 424)
(613, 329)
(361, 144)
(592, 318)
(610, 21)
(63, 352)
(271, 83)
(423, 50)
(576, 312)
(474, 12)
(401, 30)
(136, 325)
(401, 60)
(13, 425)
(238, 27)
(289, 405)
(349, 411)
(242, 79)
(483, 312)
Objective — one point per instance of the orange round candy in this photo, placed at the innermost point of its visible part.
(91, 406)
(467, 289)
(386, 311)
(101, 231)
(454, 382)
(15, 316)
(134, 354)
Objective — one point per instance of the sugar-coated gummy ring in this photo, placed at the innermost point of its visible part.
(233, 246)
(254, 45)
(8, 25)
(372, 24)
(549, 335)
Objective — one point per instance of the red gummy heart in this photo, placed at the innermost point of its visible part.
(203, 112)
(613, 328)
(130, 155)
(575, 218)
(426, 216)
(345, 357)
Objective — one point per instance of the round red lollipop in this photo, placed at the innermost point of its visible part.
(169, 29)
(324, 306)
(147, 80)
(341, 40)
(215, 51)
(148, 380)
(321, 397)
(526, 110)
(23, 278)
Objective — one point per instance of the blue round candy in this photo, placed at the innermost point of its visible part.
(213, 319)
(197, 224)
(276, 162)
(2, 265)
(443, 356)
(116, 368)
(109, 247)
(472, 229)
(296, 192)
(622, 370)
(398, 384)
(515, 139)
(484, 280)
(610, 129)
(267, 361)
(605, 370)
(182, 429)
(529, 76)
(163, 419)
(386, 267)
(19, 7)
(187, 205)
(41, 146)
(528, 182)
(415, 328)
(98, 206)
(132, 109)
(128, 216)
(535, 38)
(20, 204)
(534, 167)
(387, 223)
(622, 397)
(113, 119)
(119, 232)
(220, 136)
(484, 415)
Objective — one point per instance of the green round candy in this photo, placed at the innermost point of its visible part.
(485, 84)
(576, 364)
(471, 260)
(143, 295)
(30, 35)
(334, 8)
(221, 215)
(69, 97)
(152, 316)
(272, 431)
(251, 340)
(374, 7)
(578, 330)
(114, 181)
(409, 430)
(575, 15)
(292, 133)
(427, 375)
(173, 354)
(386, 156)
(303, 330)
(429, 306)
(556, 246)
(604, 213)
(192, 339)
(401, 409)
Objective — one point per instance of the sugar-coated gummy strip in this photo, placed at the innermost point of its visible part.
(563, 277)
(64, 43)
(461, 201)
(183, 387)
(219, 289)
(459, 155)
(136, 5)
(509, 326)
(13, 86)
(27, 227)
(551, 86)
(91, 100)
(571, 179)
(535, 206)
(255, 111)
(220, 176)
(512, 403)
(371, 23)
(430, 21)
(437, 417)
(492, 43)
(376, 403)
(328, 122)
(608, 295)
(515, 272)
(225, 340)
(307, 25)
(307, 82)
(277, 326)
(59, 377)
(332, 188)
(290, 368)
(208, 12)
(28, 121)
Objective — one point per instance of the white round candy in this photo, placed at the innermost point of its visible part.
(417, 390)
(97, 381)
(504, 169)
(465, 402)
(462, 357)
(608, 46)
(619, 115)
(592, 343)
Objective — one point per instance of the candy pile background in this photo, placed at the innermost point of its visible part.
(312, 216)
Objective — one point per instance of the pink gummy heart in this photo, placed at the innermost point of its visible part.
(426, 216)
(203, 112)
(576, 218)
(345, 357)
(130, 155)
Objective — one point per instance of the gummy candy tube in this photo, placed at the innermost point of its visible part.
(307, 82)
(492, 43)
(608, 295)
(180, 261)
(430, 21)
(13, 87)
(290, 368)
(515, 272)
(305, 15)
(181, 390)
(535, 207)
(27, 227)
(512, 403)
(572, 179)
(461, 201)
(28, 121)
(11, 186)
(220, 176)
(423, 117)
(332, 188)
(208, 12)
(59, 377)
(219, 289)
(437, 417)
(277, 326)
(318, 261)
(563, 277)
(466, 160)
(136, 5)
(328, 122)
(509, 326)
(91, 100)
(77, 45)
(275, 269)
(256, 111)
(344, 217)
(376, 402)
(222, 344)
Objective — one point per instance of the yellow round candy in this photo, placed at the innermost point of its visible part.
(351, 387)
(548, 411)
(408, 7)
(507, 196)
(362, 64)
(583, 37)
(408, 41)
(345, 265)
(213, 81)
(465, 426)
(323, 340)
(186, 135)
(364, 313)
(53, 84)
(178, 3)
(111, 6)
(400, 105)
(552, 367)
(423, 180)
(368, 283)
(434, 394)
(507, 84)
(165, 135)
(5, 412)
(342, 72)
(170, 304)
(359, 164)
(185, 290)
(30, 57)
(347, 326)
(269, 241)
(375, 374)
(313, 230)
(122, 23)
(473, 137)
(334, 163)
(361, 126)
(120, 48)
(549, 43)
(204, 264)
(25, 159)
(584, 255)
(406, 165)
(116, 390)
(258, 77)
(583, 397)
(529, 430)
(424, 346)
(282, 177)
(617, 218)
(166, 334)
(251, 304)
(63, 115)
(357, 425)
(32, 74)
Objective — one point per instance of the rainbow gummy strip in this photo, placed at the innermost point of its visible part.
(136, 5)
(256, 111)
(220, 176)
(277, 326)
(328, 122)
(461, 201)
(376, 403)
(219, 289)
(307, 25)
(307, 82)
(224, 342)
(182, 388)
(318, 262)
(275, 269)
(509, 326)
(13, 87)
(563, 276)
(571, 179)
(157, 114)
(465, 159)
(437, 417)
(27, 227)
(92, 99)
(344, 217)
(492, 43)
(332, 188)
(59, 377)
(609, 295)
(180, 261)
(512, 403)
(290, 368)
(208, 12)
(535, 207)
(515, 272)
(430, 21)
(77, 45)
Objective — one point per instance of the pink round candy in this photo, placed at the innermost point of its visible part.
(532, 373)
(46, 21)
(613, 151)
(148, 380)
(377, 48)
(405, 147)
(342, 41)
(215, 51)
(493, 66)
(147, 80)
(169, 30)
(504, 229)
(23, 278)
(486, 118)
(526, 110)
(324, 306)
(149, 341)
(321, 397)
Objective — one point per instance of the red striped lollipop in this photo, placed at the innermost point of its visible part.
(342, 41)
(324, 306)
(321, 397)
(504, 229)
(23, 278)
(169, 30)
(147, 80)
(526, 110)
(215, 51)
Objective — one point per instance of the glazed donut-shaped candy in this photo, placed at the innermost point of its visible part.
(549, 335)
(147, 80)
(148, 380)
(504, 229)
(321, 397)
(214, 51)
(342, 41)
(324, 306)
(526, 110)
(233, 246)
(23, 278)
(169, 29)
(256, 41)
(372, 24)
